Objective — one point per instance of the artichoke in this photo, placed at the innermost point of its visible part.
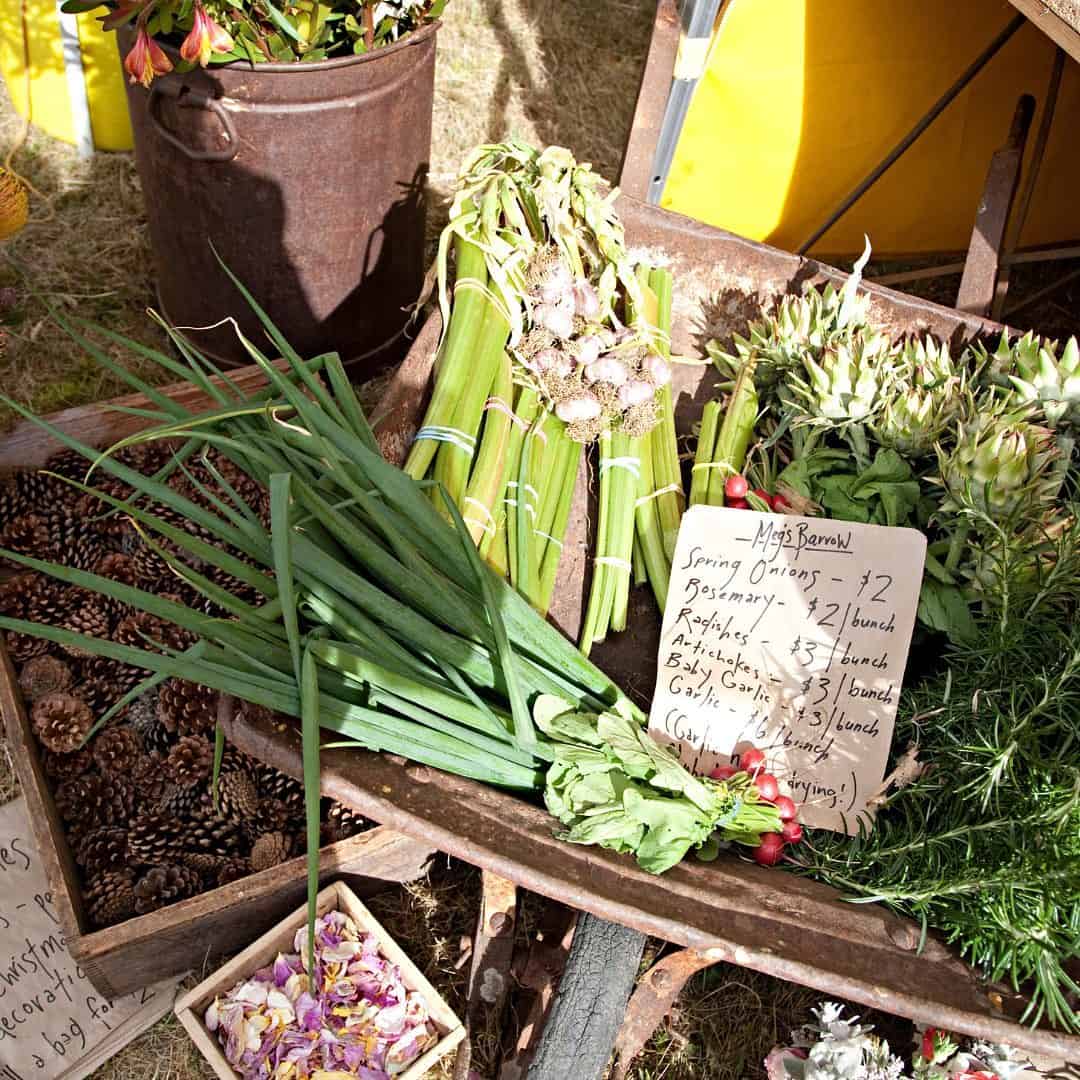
(848, 384)
(1001, 466)
(924, 400)
(1040, 378)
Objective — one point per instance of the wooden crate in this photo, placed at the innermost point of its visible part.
(191, 934)
(191, 1007)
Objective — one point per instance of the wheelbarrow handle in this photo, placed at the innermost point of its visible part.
(187, 98)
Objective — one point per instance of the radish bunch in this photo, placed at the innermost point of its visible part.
(752, 762)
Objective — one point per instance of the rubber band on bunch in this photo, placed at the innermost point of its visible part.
(611, 560)
(437, 433)
(488, 526)
(631, 464)
(657, 493)
(499, 405)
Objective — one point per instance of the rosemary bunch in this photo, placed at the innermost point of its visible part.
(984, 845)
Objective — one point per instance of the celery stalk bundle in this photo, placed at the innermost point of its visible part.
(377, 620)
(548, 346)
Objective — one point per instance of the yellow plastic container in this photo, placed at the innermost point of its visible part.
(49, 104)
(802, 98)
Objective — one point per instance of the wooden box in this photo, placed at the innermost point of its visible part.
(191, 934)
(337, 897)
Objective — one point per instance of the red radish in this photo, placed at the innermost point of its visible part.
(723, 772)
(736, 487)
(751, 759)
(768, 852)
(764, 496)
(767, 786)
(780, 503)
(788, 810)
(791, 832)
(737, 504)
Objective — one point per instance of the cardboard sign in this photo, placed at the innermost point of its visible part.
(791, 634)
(53, 1023)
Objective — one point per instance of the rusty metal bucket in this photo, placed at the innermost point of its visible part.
(307, 179)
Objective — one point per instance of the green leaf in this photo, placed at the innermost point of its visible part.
(943, 608)
(310, 719)
(280, 21)
(281, 540)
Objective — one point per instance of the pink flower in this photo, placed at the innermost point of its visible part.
(205, 38)
(146, 59)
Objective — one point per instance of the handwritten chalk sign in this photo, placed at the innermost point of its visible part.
(53, 1023)
(789, 633)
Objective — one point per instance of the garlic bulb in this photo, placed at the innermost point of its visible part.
(557, 318)
(658, 370)
(580, 407)
(635, 393)
(588, 349)
(586, 299)
(607, 369)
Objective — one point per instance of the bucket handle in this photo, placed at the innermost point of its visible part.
(187, 98)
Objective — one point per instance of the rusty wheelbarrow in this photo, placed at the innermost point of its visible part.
(730, 909)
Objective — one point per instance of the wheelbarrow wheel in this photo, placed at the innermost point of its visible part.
(590, 1003)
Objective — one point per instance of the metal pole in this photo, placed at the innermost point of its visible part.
(935, 111)
(698, 19)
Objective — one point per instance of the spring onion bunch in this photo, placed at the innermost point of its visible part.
(377, 622)
(548, 347)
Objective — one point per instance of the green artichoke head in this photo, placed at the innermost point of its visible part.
(848, 384)
(1037, 376)
(924, 399)
(1001, 465)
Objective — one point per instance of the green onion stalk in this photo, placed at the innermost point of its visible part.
(724, 440)
(376, 623)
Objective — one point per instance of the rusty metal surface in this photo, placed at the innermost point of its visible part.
(652, 1000)
(731, 909)
(637, 164)
(1060, 31)
(979, 282)
(227, 155)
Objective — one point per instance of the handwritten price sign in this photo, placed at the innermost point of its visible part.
(791, 634)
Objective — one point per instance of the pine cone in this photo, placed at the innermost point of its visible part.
(163, 885)
(99, 694)
(275, 816)
(43, 675)
(92, 619)
(238, 798)
(61, 722)
(141, 630)
(118, 567)
(124, 677)
(117, 750)
(184, 803)
(270, 850)
(110, 897)
(187, 707)
(63, 767)
(150, 777)
(103, 849)
(142, 715)
(22, 647)
(149, 567)
(26, 491)
(27, 534)
(93, 799)
(235, 760)
(154, 838)
(274, 784)
(34, 596)
(73, 541)
(190, 760)
(69, 463)
(233, 870)
(206, 830)
(342, 822)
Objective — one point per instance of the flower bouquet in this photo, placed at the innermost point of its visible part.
(346, 1002)
(220, 31)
